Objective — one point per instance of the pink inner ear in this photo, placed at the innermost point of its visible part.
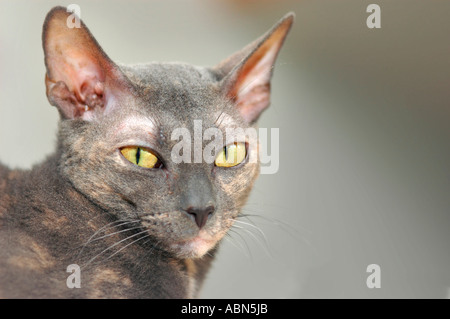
(249, 83)
(77, 84)
(254, 103)
(252, 88)
(256, 72)
(80, 73)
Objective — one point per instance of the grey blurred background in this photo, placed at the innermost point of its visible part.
(364, 120)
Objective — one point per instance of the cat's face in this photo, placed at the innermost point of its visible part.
(119, 134)
(161, 197)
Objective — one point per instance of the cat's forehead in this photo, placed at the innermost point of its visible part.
(155, 70)
(177, 94)
(169, 81)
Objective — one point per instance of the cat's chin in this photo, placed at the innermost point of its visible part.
(195, 247)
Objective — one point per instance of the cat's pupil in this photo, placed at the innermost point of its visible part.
(138, 155)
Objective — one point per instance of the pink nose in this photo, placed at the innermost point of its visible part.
(200, 215)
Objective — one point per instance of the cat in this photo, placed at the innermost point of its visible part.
(110, 201)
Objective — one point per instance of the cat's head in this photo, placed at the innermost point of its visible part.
(128, 132)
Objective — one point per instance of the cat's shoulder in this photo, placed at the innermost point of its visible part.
(4, 171)
(3, 168)
(7, 174)
(8, 178)
(3, 176)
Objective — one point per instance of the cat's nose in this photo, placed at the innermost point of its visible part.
(201, 215)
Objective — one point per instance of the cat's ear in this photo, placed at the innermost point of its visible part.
(247, 73)
(81, 80)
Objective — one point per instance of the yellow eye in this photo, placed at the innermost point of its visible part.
(140, 156)
(231, 155)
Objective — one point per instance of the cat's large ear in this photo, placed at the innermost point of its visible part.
(81, 80)
(247, 73)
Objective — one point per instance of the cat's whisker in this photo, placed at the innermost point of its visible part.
(112, 246)
(239, 247)
(134, 241)
(244, 248)
(112, 234)
(250, 256)
(110, 225)
(123, 222)
(255, 227)
(106, 227)
(260, 212)
(294, 232)
(257, 240)
(261, 207)
(276, 222)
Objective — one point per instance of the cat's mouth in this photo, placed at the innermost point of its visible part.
(195, 247)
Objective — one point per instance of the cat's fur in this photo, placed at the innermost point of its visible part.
(68, 209)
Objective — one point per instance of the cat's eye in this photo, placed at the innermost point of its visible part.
(231, 155)
(141, 156)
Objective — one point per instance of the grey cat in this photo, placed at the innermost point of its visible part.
(110, 199)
